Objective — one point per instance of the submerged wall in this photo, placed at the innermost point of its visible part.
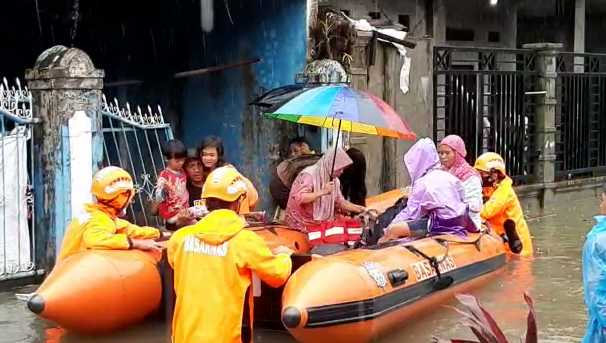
(216, 103)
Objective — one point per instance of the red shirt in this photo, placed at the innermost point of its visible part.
(177, 197)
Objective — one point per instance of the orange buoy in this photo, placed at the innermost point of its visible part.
(356, 295)
(99, 291)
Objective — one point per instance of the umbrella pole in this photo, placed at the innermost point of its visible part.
(332, 169)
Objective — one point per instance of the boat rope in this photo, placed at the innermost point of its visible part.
(434, 261)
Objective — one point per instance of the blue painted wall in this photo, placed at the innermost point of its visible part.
(216, 104)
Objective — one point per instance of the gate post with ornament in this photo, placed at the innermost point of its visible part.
(66, 91)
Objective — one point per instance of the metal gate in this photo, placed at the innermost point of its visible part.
(17, 225)
(487, 96)
(132, 139)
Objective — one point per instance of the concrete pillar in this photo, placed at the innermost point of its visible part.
(509, 17)
(439, 22)
(66, 90)
(579, 34)
(545, 117)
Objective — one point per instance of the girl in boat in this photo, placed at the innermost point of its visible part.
(316, 192)
(452, 155)
(436, 205)
(212, 154)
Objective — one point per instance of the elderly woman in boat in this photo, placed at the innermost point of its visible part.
(316, 192)
(452, 155)
(436, 205)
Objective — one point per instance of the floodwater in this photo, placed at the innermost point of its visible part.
(552, 279)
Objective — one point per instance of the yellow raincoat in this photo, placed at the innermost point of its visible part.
(213, 262)
(503, 204)
(98, 227)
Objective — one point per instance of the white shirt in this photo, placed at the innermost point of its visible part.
(473, 198)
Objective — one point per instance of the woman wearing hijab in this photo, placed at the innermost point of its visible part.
(452, 155)
(316, 192)
(435, 205)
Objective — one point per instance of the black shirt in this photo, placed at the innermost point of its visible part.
(195, 193)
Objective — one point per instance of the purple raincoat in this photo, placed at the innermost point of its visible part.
(435, 194)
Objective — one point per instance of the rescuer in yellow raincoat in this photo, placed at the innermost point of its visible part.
(213, 262)
(99, 225)
(502, 208)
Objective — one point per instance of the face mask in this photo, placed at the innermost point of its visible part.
(487, 181)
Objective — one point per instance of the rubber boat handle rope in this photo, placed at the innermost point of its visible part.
(434, 262)
(475, 242)
(366, 218)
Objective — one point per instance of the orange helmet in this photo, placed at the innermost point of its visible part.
(114, 187)
(224, 183)
(490, 161)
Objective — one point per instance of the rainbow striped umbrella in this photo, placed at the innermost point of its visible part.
(340, 107)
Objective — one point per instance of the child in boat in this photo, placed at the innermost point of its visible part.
(212, 154)
(299, 146)
(171, 188)
(316, 192)
(502, 208)
(594, 276)
(220, 254)
(99, 225)
(436, 205)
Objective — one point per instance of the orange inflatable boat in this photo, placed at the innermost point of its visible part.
(356, 295)
(347, 297)
(100, 291)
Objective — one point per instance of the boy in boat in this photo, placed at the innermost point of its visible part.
(594, 276)
(99, 225)
(299, 146)
(221, 255)
(171, 188)
(502, 208)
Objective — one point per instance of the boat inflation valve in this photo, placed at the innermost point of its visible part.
(291, 317)
(36, 303)
(397, 277)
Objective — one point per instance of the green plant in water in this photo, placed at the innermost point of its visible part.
(484, 327)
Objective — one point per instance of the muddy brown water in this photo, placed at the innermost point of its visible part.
(552, 278)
